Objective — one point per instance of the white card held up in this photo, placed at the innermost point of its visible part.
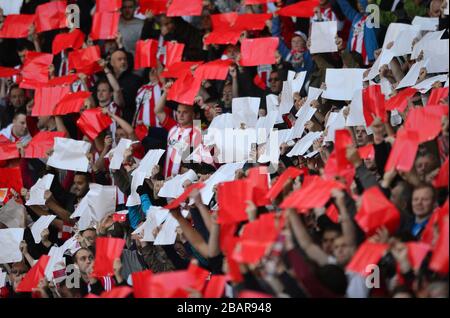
(223, 174)
(342, 83)
(425, 23)
(11, 6)
(13, 214)
(38, 189)
(173, 188)
(41, 224)
(356, 115)
(323, 36)
(304, 144)
(102, 200)
(271, 149)
(149, 161)
(304, 114)
(168, 233)
(437, 54)
(313, 94)
(234, 145)
(159, 212)
(265, 125)
(411, 77)
(336, 121)
(118, 153)
(426, 84)
(2, 278)
(423, 42)
(245, 111)
(70, 154)
(272, 105)
(9, 245)
(289, 88)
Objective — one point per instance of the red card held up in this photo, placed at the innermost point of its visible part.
(215, 287)
(105, 25)
(71, 103)
(16, 26)
(108, 5)
(232, 197)
(180, 8)
(277, 187)
(343, 139)
(41, 143)
(367, 255)
(377, 211)
(92, 122)
(404, 151)
(439, 259)
(157, 7)
(11, 178)
(436, 95)
(427, 125)
(8, 149)
(416, 253)
(107, 249)
(373, 104)
(174, 52)
(400, 101)
(46, 99)
(85, 60)
(34, 275)
(441, 180)
(259, 51)
(141, 284)
(302, 9)
(178, 69)
(145, 55)
(184, 89)
(51, 16)
(214, 70)
(258, 180)
(251, 22)
(6, 72)
(72, 40)
(367, 152)
(35, 69)
(177, 202)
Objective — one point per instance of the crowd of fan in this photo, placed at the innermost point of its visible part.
(310, 249)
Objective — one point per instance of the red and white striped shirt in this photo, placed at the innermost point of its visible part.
(179, 142)
(264, 73)
(147, 98)
(357, 41)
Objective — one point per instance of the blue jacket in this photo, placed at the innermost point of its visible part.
(136, 214)
(370, 37)
(285, 52)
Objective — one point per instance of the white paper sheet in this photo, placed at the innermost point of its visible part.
(272, 149)
(272, 105)
(335, 121)
(283, 135)
(13, 214)
(173, 188)
(287, 93)
(342, 83)
(323, 36)
(167, 235)
(437, 54)
(423, 42)
(38, 189)
(304, 144)
(144, 170)
(356, 115)
(403, 43)
(304, 114)
(426, 84)
(159, 212)
(41, 224)
(264, 126)
(149, 225)
(11, 6)
(70, 154)
(118, 152)
(425, 23)
(411, 77)
(313, 94)
(2, 278)
(102, 200)
(245, 111)
(9, 245)
(234, 145)
(223, 174)
(393, 32)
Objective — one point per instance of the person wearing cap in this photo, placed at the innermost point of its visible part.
(298, 55)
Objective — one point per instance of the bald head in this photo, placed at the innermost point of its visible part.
(119, 62)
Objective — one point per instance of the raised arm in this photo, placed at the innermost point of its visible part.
(348, 10)
(117, 91)
(312, 250)
(348, 227)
